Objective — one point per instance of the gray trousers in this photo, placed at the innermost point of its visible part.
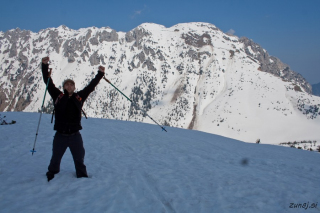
(60, 143)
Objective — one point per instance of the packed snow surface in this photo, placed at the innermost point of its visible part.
(136, 167)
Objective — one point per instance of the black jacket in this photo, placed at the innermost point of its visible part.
(68, 109)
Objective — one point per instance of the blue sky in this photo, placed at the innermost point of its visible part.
(289, 30)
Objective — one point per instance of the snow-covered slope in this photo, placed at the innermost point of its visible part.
(190, 76)
(136, 167)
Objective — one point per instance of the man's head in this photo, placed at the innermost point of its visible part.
(69, 86)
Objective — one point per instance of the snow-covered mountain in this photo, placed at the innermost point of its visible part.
(136, 167)
(190, 75)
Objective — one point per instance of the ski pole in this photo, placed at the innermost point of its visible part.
(45, 93)
(134, 104)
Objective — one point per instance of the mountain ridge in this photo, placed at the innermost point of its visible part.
(191, 75)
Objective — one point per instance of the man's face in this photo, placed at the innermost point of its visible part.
(70, 87)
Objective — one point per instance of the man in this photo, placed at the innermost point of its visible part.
(68, 107)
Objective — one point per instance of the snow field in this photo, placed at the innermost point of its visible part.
(135, 167)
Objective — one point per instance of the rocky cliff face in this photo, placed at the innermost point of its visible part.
(190, 75)
(273, 65)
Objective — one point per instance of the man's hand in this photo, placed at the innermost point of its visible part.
(45, 60)
(101, 68)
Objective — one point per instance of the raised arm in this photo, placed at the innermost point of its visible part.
(52, 89)
(94, 82)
